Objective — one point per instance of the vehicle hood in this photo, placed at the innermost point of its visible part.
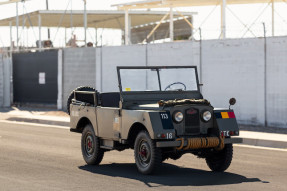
(153, 106)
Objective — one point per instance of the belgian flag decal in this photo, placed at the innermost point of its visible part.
(224, 115)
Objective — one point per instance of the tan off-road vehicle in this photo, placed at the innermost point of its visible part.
(160, 113)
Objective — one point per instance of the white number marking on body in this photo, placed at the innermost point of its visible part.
(168, 135)
(164, 116)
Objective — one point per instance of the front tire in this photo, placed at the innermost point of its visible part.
(147, 156)
(220, 160)
(90, 144)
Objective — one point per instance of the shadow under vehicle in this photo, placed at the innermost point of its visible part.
(160, 113)
(170, 175)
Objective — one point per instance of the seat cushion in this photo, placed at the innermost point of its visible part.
(110, 99)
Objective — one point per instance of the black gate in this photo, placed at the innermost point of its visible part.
(35, 77)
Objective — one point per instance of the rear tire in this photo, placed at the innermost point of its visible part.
(220, 160)
(90, 144)
(147, 156)
(71, 96)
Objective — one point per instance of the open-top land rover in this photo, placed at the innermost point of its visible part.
(160, 113)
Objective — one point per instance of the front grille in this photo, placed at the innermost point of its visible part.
(192, 130)
(192, 121)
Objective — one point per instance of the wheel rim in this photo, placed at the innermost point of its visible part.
(144, 153)
(89, 145)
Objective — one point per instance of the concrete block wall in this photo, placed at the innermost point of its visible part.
(1, 81)
(174, 54)
(112, 57)
(7, 68)
(276, 81)
(184, 53)
(235, 68)
(171, 54)
(5, 76)
(230, 68)
(79, 69)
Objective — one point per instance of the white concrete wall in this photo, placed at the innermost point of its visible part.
(276, 81)
(78, 70)
(5, 76)
(99, 71)
(235, 68)
(230, 68)
(119, 56)
(171, 54)
(1, 81)
(174, 54)
(7, 67)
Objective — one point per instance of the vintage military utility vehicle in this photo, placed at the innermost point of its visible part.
(160, 113)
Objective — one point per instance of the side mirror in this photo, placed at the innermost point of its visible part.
(232, 101)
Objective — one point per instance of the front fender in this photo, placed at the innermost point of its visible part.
(150, 119)
(226, 121)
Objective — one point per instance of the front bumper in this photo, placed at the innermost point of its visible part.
(177, 143)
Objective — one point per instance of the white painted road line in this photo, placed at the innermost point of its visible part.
(34, 124)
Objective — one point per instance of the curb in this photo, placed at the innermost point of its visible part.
(265, 143)
(40, 121)
(246, 141)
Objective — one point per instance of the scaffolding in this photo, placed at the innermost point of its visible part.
(125, 17)
(171, 4)
(96, 19)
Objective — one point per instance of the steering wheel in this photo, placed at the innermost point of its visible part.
(175, 83)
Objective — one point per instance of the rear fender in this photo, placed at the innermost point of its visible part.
(82, 113)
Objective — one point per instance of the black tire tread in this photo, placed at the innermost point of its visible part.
(156, 154)
(97, 158)
(221, 160)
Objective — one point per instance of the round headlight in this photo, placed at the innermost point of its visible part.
(206, 116)
(178, 117)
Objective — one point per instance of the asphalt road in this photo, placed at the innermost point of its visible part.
(45, 158)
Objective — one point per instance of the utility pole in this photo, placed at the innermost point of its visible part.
(71, 18)
(85, 21)
(200, 57)
(223, 19)
(265, 77)
(17, 26)
(273, 18)
(47, 8)
(171, 26)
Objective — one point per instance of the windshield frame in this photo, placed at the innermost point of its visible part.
(157, 68)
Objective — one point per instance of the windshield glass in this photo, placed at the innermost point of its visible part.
(159, 79)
